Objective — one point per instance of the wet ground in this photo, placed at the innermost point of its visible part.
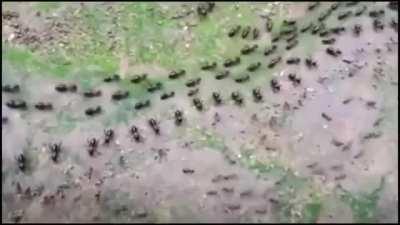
(320, 145)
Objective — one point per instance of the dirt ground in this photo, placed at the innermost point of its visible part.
(320, 147)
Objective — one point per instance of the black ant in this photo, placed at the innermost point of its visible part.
(17, 104)
(313, 5)
(310, 63)
(378, 25)
(139, 78)
(256, 33)
(242, 79)
(276, 87)
(44, 106)
(324, 15)
(393, 5)
(21, 161)
(209, 66)
(270, 50)
(333, 52)
(292, 44)
(293, 60)
(222, 75)
(295, 80)
(119, 95)
(135, 133)
(291, 38)
(193, 82)
(92, 94)
(187, 171)
(234, 30)
(274, 61)
(232, 62)
(245, 31)
(154, 87)
(254, 66)
(324, 33)
(217, 98)
(141, 105)
(237, 97)
(288, 31)
(325, 116)
(334, 6)
(275, 38)
(112, 78)
(344, 15)
(306, 27)
(93, 111)
(317, 28)
(108, 136)
(337, 30)
(247, 49)
(154, 125)
(92, 146)
(269, 25)
(376, 13)
(257, 95)
(193, 92)
(204, 8)
(176, 74)
(11, 89)
(198, 104)
(64, 88)
(289, 22)
(328, 41)
(394, 25)
(360, 11)
(357, 30)
(178, 117)
(55, 149)
(167, 95)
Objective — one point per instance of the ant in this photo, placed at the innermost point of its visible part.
(139, 78)
(274, 61)
(313, 5)
(21, 161)
(376, 13)
(17, 104)
(245, 31)
(269, 25)
(243, 79)
(289, 22)
(275, 38)
(344, 15)
(337, 30)
(44, 106)
(64, 88)
(305, 28)
(292, 44)
(378, 25)
(135, 133)
(237, 98)
(11, 89)
(176, 74)
(112, 78)
(93, 111)
(154, 125)
(276, 87)
(119, 95)
(310, 63)
(154, 87)
(92, 94)
(295, 80)
(234, 30)
(270, 50)
(193, 82)
(108, 136)
(328, 41)
(55, 149)
(198, 104)
(167, 95)
(178, 117)
(141, 105)
(92, 146)
(333, 52)
(394, 25)
(293, 60)
(222, 75)
(217, 98)
(360, 10)
(257, 95)
(357, 30)
(232, 62)
(254, 66)
(247, 49)
(193, 92)
(291, 38)
(256, 33)
(209, 66)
